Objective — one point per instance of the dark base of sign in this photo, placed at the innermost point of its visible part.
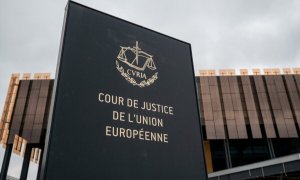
(5, 163)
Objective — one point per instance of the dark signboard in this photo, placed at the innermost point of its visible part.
(125, 104)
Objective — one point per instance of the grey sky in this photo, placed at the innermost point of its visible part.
(223, 34)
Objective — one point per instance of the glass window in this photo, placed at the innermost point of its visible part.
(218, 155)
(291, 146)
(248, 151)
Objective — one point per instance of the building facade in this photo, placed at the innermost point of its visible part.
(246, 119)
(249, 118)
(24, 118)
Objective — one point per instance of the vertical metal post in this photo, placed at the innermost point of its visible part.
(271, 148)
(40, 163)
(26, 162)
(6, 161)
(227, 153)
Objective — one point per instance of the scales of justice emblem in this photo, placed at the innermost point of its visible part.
(136, 66)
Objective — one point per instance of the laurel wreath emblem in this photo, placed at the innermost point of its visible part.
(131, 80)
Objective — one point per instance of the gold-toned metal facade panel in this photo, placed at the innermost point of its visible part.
(241, 125)
(264, 106)
(270, 101)
(40, 113)
(251, 107)
(211, 105)
(35, 155)
(297, 79)
(294, 96)
(207, 108)
(210, 129)
(227, 72)
(233, 107)
(8, 108)
(26, 76)
(244, 72)
(208, 114)
(19, 145)
(272, 71)
(232, 129)
(207, 72)
(228, 108)
(25, 112)
(208, 156)
(256, 71)
(296, 70)
(42, 76)
(280, 106)
(280, 123)
(31, 110)
(217, 108)
(219, 125)
(19, 111)
(287, 71)
(238, 107)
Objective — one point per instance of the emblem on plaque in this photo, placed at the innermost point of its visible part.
(136, 66)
